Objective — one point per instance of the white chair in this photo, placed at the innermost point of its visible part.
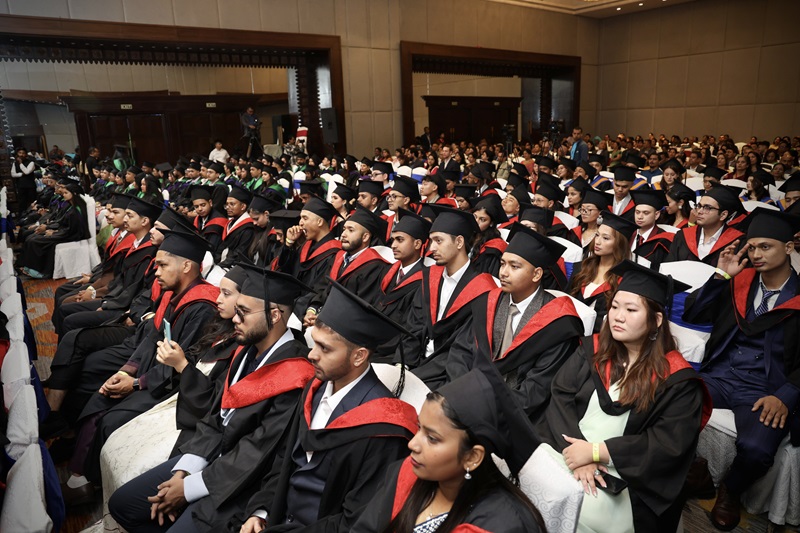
(23, 425)
(8, 287)
(777, 493)
(386, 253)
(414, 390)
(691, 338)
(7, 265)
(586, 313)
(16, 327)
(750, 205)
(24, 507)
(555, 493)
(668, 228)
(696, 184)
(75, 258)
(12, 305)
(568, 220)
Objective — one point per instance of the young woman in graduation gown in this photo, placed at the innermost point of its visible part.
(450, 482)
(489, 246)
(627, 408)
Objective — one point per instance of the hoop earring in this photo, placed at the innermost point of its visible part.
(467, 476)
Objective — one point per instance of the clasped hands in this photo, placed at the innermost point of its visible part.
(170, 499)
(578, 456)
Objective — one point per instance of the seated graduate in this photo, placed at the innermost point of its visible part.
(593, 279)
(142, 382)
(712, 234)
(752, 359)
(593, 203)
(39, 251)
(650, 242)
(243, 433)
(265, 245)
(208, 221)
(626, 411)
(548, 195)
(450, 480)
(623, 204)
(527, 332)
(403, 195)
(680, 206)
(516, 200)
(487, 246)
(348, 427)
(239, 233)
(448, 287)
(538, 219)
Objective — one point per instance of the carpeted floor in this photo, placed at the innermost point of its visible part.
(40, 293)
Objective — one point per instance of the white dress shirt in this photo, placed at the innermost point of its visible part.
(620, 206)
(521, 307)
(448, 287)
(645, 236)
(772, 300)
(703, 248)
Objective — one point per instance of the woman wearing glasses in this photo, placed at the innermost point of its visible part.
(592, 203)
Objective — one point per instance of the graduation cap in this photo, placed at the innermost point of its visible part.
(580, 184)
(407, 187)
(490, 203)
(148, 164)
(164, 167)
(516, 181)
(791, 185)
(763, 223)
(321, 208)
(194, 164)
(356, 320)
(521, 195)
(380, 166)
(727, 199)
(171, 218)
(371, 222)
(549, 191)
(548, 162)
(538, 215)
(633, 158)
(120, 200)
(622, 225)
(438, 180)
(236, 274)
(134, 170)
(521, 170)
(262, 204)
(201, 192)
(144, 208)
(454, 222)
(569, 163)
(366, 161)
(301, 155)
(345, 193)
(412, 224)
(591, 172)
(257, 164)
(485, 405)
(240, 193)
(271, 286)
(651, 197)
(351, 161)
(375, 188)
(646, 282)
(714, 172)
(219, 168)
(679, 191)
(764, 177)
(675, 165)
(190, 246)
(465, 190)
(622, 173)
(597, 158)
(483, 171)
(449, 175)
(284, 219)
(427, 212)
(533, 247)
(312, 187)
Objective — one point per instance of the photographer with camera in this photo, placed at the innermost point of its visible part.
(251, 131)
(22, 171)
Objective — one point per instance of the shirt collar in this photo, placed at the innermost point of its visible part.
(523, 305)
(458, 275)
(714, 237)
(286, 337)
(646, 234)
(406, 270)
(334, 399)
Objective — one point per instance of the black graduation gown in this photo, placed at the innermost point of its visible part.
(374, 430)
(237, 243)
(39, 251)
(487, 258)
(536, 353)
(219, 196)
(396, 300)
(212, 228)
(656, 248)
(684, 245)
(497, 512)
(309, 264)
(362, 276)
(130, 280)
(242, 453)
(555, 277)
(422, 322)
(658, 445)
(599, 297)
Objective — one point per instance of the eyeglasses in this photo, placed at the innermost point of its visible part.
(586, 211)
(241, 313)
(395, 196)
(705, 208)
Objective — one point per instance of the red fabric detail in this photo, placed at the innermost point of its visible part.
(447, 201)
(561, 264)
(480, 284)
(392, 274)
(240, 224)
(389, 225)
(203, 291)
(4, 346)
(142, 246)
(683, 224)
(496, 243)
(332, 244)
(691, 235)
(659, 234)
(602, 288)
(560, 307)
(630, 205)
(510, 222)
(740, 289)
(378, 411)
(578, 231)
(405, 482)
(367, 256)
(488, 192)
(113, 248)
(267, 382)
(491, 307)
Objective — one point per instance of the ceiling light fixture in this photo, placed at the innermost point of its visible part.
(619, 9)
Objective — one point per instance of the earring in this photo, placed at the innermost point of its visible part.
(467, 475)
(654, 335)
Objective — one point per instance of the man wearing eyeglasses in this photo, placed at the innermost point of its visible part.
(380, 174)
(404, 195)
(712, 234)
(239, 439)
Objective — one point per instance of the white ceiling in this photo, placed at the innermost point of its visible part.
(595, 8)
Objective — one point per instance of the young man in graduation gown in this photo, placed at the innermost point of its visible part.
(623, 204)
(369, 195)
(347, 427)
(239, 232)
(752, 359)
(650, 241)
(208, 221)
(357, 266)
(539, 220)
(310, 259)
(547, 196)
(186, 303)
(129, 280)
(526, 331)
(404, 195)
(245, 431)
(448, 288)
(712, 234)
(219, 194)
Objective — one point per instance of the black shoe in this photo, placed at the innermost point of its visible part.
(727, 510)
(698, 481)
(53, 426)
(79, 496)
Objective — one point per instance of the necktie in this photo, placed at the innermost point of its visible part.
(639, 241)
(508, 334)
(400, 276)
(345, 262)
(765, 297)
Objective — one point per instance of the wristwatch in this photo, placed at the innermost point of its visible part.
(136, 384)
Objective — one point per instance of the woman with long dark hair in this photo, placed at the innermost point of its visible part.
(680, 206)
(757, 189)
(450, 483)
(741, 169)
(626, 412)
(672, 173)
(39, 251)
(488, 246)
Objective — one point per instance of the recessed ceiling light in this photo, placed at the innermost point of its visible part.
(619, 9)
(641, 4)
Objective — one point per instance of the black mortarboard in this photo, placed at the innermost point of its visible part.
(438, 180)
(219, 168)
(284, 219)
(675, 165)
(569, 163)
(321, 208)
(313, 186)
(120, 200)
(490, 203)
(538, 215)
(580, 184)
(483, 171)
(407, 187)
(548, 162)
(194, 164)
(375, 188)
(240, 193)
(547, 190)
(375, 225)
(591, 172)
(450, 175)
(277, 287)
(633, 158)
(646, 282)
(412, 224)
(134, 170)
(597, 158)
(262, 204)
(257, 164)
(651, 197)
(427, 212)
(380, 166)
(164, 167)
(764, 177)
(622, 225)
(190, 246)
(454, 222)
(553, 181)
(465, 190)
(622, 173)
(171, 218)
(727, 199)
(356, 320)
(533, 247)
(715, 172)
(521, 170)
(679, 191)
(763, 223)
(148, 164)
(792, 184)
(201, 192)
(144, 208)
(301, 155)
(236, 274)
(521, 195)
(516, 180)
(351, 162)
(366, 161)
(345, 193)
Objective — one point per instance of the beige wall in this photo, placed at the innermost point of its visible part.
(705, 67)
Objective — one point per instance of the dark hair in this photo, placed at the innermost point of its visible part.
(216, 329)
(590, 265)
(485, 480)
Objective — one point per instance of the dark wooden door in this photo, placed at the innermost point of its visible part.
(148, 133)
(471, 118)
